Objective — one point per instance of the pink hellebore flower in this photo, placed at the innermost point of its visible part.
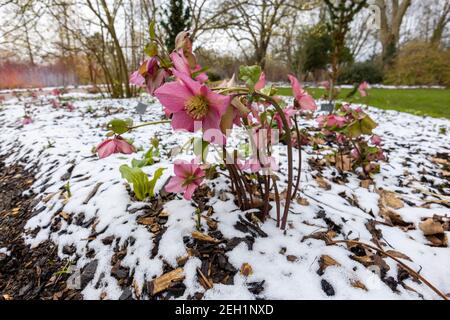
(261, 82)
(150, 76)
(27, 120)
(70, 107)
(181, 64)
(56, 104)
(355, 153)
(325, 84)
(331, 121)
(363, 87)
(188, 177)
(376, 140)
(263, 163)
(56, 92)
(190, 101)
(340, 138)
(305, 101)
(289, 113)
(137, 79)
(115, 145)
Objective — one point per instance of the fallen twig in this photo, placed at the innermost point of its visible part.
(406, 267)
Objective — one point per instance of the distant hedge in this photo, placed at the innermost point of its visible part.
(369, 71)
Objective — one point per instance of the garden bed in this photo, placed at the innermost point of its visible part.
(111, 246)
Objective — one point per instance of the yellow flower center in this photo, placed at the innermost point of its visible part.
(197, 107)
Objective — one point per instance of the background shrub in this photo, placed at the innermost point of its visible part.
(420, 63)
(369, 71)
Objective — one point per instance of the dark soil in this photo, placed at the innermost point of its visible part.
(26, 273)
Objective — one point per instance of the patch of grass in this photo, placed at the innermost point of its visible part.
(425, 102)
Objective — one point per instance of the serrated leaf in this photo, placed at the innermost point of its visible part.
(250, 75)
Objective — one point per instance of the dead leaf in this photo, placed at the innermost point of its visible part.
(430, 227)
(203, 237)
(390, 199)
(366, 183)
(365, 260)
(246, 270)
(438, 240)
(394, 219)
(323, 183)
(303, 202)
(440, 161)
(344, 162)
(358, 285)
(64, 215)
(148, 221)
(398, 255)
(325, 262)
(291, 258)
(7, 297)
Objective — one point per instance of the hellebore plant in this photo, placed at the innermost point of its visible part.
(188, 177)
(352, 130)
(193, 104)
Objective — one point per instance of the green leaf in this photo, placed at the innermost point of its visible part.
(151, 49)
(269, 90)
(139, 180)
(155, 142)
(119, 126)
(151, 29)
(250, 74)
(367, 125)
(354, 130)
(201, 148)
(158, 174)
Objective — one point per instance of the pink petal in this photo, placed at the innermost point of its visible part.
(182, 169)
(156, 81)
(190, 189)
(202, 77)
(173, 96)
(106, 148)
(307, 103)
(175, 185)
(211, 121)
(137, 79)
(194, 86)
(296, 88)
(261, 83)
(180, 63)
(124, 147)
(182, 121)
(218, 102)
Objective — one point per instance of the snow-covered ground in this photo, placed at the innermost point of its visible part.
(58, 145)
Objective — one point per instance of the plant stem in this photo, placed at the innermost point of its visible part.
(145, 124)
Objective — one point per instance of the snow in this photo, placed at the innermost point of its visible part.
(59, 140)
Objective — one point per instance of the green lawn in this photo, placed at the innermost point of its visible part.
(429, 102)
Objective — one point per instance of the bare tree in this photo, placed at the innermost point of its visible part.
(259, 22)
(442, 22)
(392, 13)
